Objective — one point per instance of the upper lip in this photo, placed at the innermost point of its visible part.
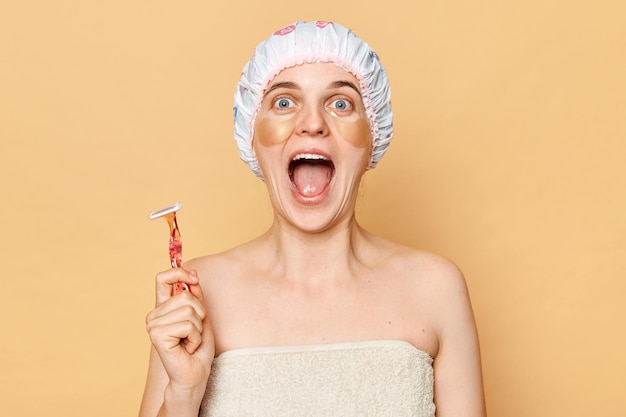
(309, 154)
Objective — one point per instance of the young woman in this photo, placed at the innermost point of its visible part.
(316, 316)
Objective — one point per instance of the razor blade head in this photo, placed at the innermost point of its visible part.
(165, 211)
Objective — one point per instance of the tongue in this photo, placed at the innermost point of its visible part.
(311, 179)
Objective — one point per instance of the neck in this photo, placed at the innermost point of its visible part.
(300, 256)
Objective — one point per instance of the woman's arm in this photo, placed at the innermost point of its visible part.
(457, 367)
(182, 349)
(157, 401)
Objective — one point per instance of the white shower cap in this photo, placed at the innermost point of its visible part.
(310, 42)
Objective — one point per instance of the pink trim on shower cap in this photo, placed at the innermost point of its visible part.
(310, 42)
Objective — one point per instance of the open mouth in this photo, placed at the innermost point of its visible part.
(310, 173)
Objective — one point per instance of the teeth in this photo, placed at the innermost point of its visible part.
(309, 156)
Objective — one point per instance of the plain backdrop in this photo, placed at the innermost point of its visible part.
(508, 158)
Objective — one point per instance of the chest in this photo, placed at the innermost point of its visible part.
(267, 315)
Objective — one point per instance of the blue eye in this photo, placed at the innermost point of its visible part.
(341, 104)
(283, 103)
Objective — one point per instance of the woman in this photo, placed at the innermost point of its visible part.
(316, 316)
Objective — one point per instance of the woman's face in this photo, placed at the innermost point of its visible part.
(312, 140)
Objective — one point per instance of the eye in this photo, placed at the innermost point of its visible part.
(283, 103)
(341, 104)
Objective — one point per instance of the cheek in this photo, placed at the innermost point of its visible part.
(355, 131)
(269, 132)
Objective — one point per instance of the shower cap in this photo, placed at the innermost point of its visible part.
(311, 42)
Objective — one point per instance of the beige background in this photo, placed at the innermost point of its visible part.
(508, 158)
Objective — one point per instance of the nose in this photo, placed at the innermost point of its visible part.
(312, 121)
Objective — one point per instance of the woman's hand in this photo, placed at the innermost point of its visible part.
(179, 332)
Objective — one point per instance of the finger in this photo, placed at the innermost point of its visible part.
(196, 291)
(166, 280)
(169, 337)
(180, 314)
(186, 304)
(192, 341)
(205, 346)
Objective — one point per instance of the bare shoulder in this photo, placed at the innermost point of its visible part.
(205, 265)
(434, 284)
(439, 274)
(216, 267)
(425, 268)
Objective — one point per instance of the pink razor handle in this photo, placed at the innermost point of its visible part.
(176, 252)
(176, 244)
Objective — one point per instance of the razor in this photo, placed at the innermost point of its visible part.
(176, 244)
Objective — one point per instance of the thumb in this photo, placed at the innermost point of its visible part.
(195, 288)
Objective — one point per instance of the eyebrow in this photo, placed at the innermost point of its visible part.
(339, 84)
(285, 84)
(294, 86)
